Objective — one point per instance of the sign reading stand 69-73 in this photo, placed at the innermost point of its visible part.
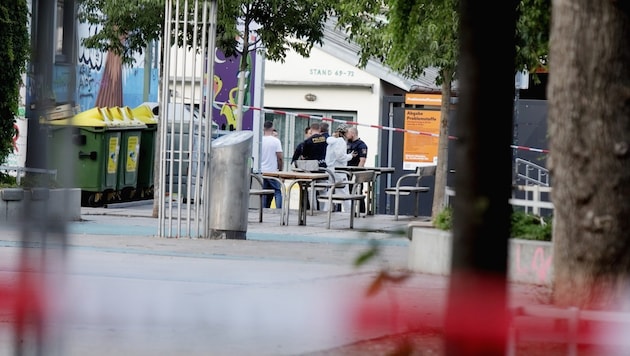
(421, 149)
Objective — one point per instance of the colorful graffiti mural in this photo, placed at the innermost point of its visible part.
(225, 87)
(91, 66)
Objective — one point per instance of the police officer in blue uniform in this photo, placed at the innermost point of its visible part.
(357, 147)
(359, 150)
(315, 146)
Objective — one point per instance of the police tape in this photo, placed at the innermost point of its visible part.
(380, 127)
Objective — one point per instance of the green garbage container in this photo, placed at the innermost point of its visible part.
(85, 151)
(146, 162)
(130, 139)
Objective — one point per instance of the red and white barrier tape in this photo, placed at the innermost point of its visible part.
(380, 127)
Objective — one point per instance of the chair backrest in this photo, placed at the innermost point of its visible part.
(310, 165)
(255, 177)
(361, 177)
(424, 171)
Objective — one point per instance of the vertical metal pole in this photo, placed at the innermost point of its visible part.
(515, 135)
(390, 144)
(164, 228)
(39, 267)
(43, 99)
(200, 132)
(147, 72)
(211, 31)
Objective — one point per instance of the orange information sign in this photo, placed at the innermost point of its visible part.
(421, 149)
(423, 99)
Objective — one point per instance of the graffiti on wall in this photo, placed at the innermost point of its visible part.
(537, 265)
(225, 90)
(90, 69)
(91, 66)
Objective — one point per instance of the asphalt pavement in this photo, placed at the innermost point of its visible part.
(116, 288)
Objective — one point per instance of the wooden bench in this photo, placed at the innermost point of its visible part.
(415, 188)
(332, 196)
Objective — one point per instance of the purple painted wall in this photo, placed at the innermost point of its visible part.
(226, 90)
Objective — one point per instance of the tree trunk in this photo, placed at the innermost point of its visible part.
(589, 161)
(110, 91)
(441, 172)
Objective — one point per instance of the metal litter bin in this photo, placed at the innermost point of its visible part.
(229, 187)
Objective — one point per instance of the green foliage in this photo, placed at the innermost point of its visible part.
(31, 180)
(123, 27)
(523, 225)
(7, 181)
(444, 219)
(412, 35)
(532, 26)
(408, 36)
(368, 255)
(530, 227)
(14, 54)
(280, 25)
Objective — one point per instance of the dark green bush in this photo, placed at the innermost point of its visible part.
(444, 220)
(524, 225)
(7, 181)
(16, 46)
(530, 227)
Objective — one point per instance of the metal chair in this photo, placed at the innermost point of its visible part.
(312, 165)
(403, 190)
(260, 192)
(331, 196)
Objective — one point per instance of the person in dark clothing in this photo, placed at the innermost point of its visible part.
(297, 154)
(324, 127)
(357, 147)
(315, 146)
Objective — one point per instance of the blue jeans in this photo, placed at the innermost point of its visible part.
(275, 185)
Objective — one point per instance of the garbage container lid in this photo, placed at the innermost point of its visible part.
(233, 138)
(123, 116)
(91, 118)
(143, 113)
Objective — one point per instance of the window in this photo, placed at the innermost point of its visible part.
(295, 126)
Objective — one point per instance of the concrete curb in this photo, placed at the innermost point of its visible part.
(64, 204)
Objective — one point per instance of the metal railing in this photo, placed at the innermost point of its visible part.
(20, 172)
(540, 324)
(530, 173)
(535, 199)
